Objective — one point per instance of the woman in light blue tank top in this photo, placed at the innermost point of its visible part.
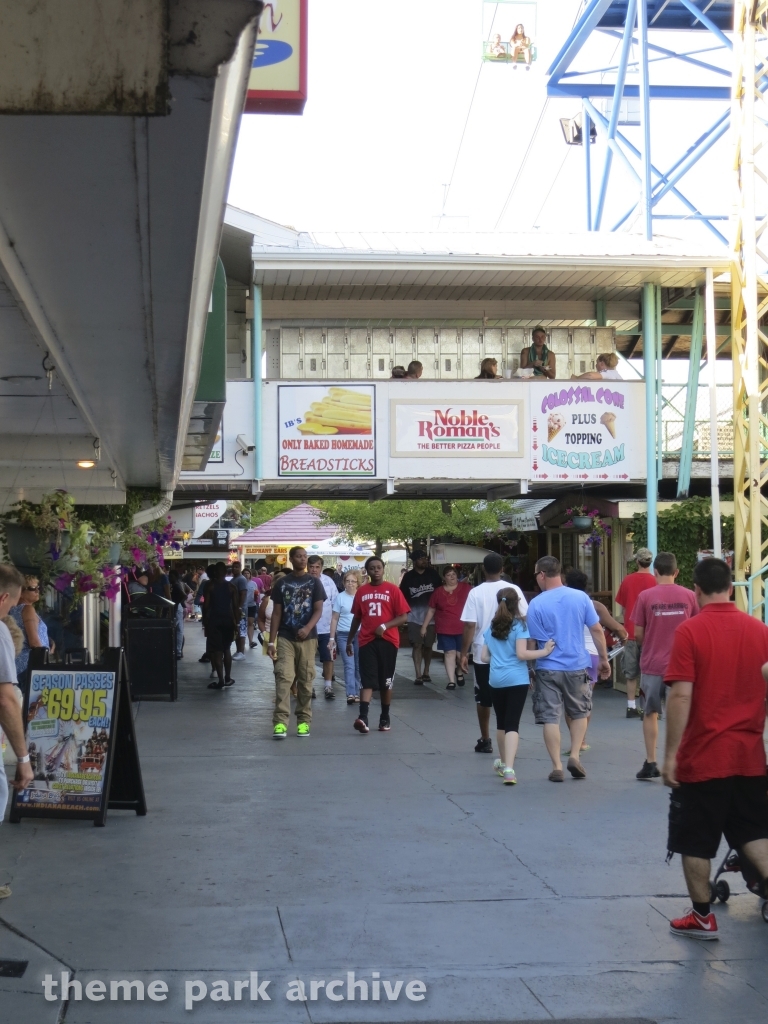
(34, 630)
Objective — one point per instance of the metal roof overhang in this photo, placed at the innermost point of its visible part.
(109, 229)
(328, 274)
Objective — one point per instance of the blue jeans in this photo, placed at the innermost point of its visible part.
(351, 664)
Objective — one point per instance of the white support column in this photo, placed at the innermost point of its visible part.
(714, 461)
(91, 640)
(115, 618)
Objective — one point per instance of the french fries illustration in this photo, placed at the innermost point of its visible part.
(340, 412)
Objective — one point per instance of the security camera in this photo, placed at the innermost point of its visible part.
(244, 444)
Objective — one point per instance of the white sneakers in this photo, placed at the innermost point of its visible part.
(238, 657)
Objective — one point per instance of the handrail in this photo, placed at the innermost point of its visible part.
(749, 584)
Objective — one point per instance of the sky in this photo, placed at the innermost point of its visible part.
(379, 146)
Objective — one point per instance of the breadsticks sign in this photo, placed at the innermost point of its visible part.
(326, 430)
(587, 431)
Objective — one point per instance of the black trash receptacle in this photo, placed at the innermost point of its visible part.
(149, 637)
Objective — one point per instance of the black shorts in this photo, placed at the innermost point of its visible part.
(483, 691)
(219, 635)
(377, 664)
(508, 703)
(700, 813)
(253, 611)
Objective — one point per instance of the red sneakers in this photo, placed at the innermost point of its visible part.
(694, 926)
(362, 726)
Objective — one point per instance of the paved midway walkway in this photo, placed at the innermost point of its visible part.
(398, 853)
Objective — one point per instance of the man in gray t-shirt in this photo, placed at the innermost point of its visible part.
(417, 586)
(11, 582)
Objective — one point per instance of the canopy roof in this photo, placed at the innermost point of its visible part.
(298, 524)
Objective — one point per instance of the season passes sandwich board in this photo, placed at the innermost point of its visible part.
(81, 744)
(587, 430)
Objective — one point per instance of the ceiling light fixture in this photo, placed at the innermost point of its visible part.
(86, 463)
(20, 378)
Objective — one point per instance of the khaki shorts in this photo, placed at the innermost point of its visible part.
(631, 658)
(554, 691)
(415, 637)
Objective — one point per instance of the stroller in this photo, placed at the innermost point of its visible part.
(720, 890)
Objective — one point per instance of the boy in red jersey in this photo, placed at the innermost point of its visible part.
(378, 609)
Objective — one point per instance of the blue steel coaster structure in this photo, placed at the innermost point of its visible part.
(634, 24)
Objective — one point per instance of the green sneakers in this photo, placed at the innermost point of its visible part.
(498, 767)
(281, 731)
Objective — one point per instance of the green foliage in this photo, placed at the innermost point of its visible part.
(684, 529)
(120, 516)
(254, 513)
(406, 521)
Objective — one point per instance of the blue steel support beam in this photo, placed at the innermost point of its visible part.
(649, 367)
(689, 419)
(621, 75)
(688, 58)
(613, 145)
(707, 23)
(586, 128)
(646, 183)
(687, 160)
(658, 92)
(581, 31)
(602, 124)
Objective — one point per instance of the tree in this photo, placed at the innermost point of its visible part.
(254, 513)
(684, 529)
(406, 521)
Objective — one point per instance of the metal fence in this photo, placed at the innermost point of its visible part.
(673, 420)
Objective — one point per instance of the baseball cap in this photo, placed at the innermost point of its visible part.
(644, 555)
(418, 554)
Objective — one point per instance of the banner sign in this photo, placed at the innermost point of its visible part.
(81, 744)
(590, 431)
(326, 430)
(278, 79)
(68, 729)
(490, 428)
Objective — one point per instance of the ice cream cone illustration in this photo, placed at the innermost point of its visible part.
(608, 419)
(555, 423)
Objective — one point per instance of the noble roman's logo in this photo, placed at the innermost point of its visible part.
(461, 425)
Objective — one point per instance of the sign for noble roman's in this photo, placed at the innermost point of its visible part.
(585, 431)
(490, 428)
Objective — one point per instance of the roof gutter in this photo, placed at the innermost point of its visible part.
(228, 103)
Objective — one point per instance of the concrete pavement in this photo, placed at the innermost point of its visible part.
(399, 853)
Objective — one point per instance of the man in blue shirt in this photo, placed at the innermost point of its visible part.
(561, 614)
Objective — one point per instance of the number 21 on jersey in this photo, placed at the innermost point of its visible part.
(374, 609)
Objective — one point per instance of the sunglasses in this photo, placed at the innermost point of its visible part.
(32, 588)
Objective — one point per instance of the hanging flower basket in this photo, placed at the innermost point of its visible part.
(582, 522)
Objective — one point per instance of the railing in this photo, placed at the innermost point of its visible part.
(752, 604)
(673, 421)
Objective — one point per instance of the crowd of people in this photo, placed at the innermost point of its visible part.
(688, 654)
(553, 647)
(537, 361)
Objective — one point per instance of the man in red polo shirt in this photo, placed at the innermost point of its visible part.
(715, 757)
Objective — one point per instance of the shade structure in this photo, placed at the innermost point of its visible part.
(300, 526)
